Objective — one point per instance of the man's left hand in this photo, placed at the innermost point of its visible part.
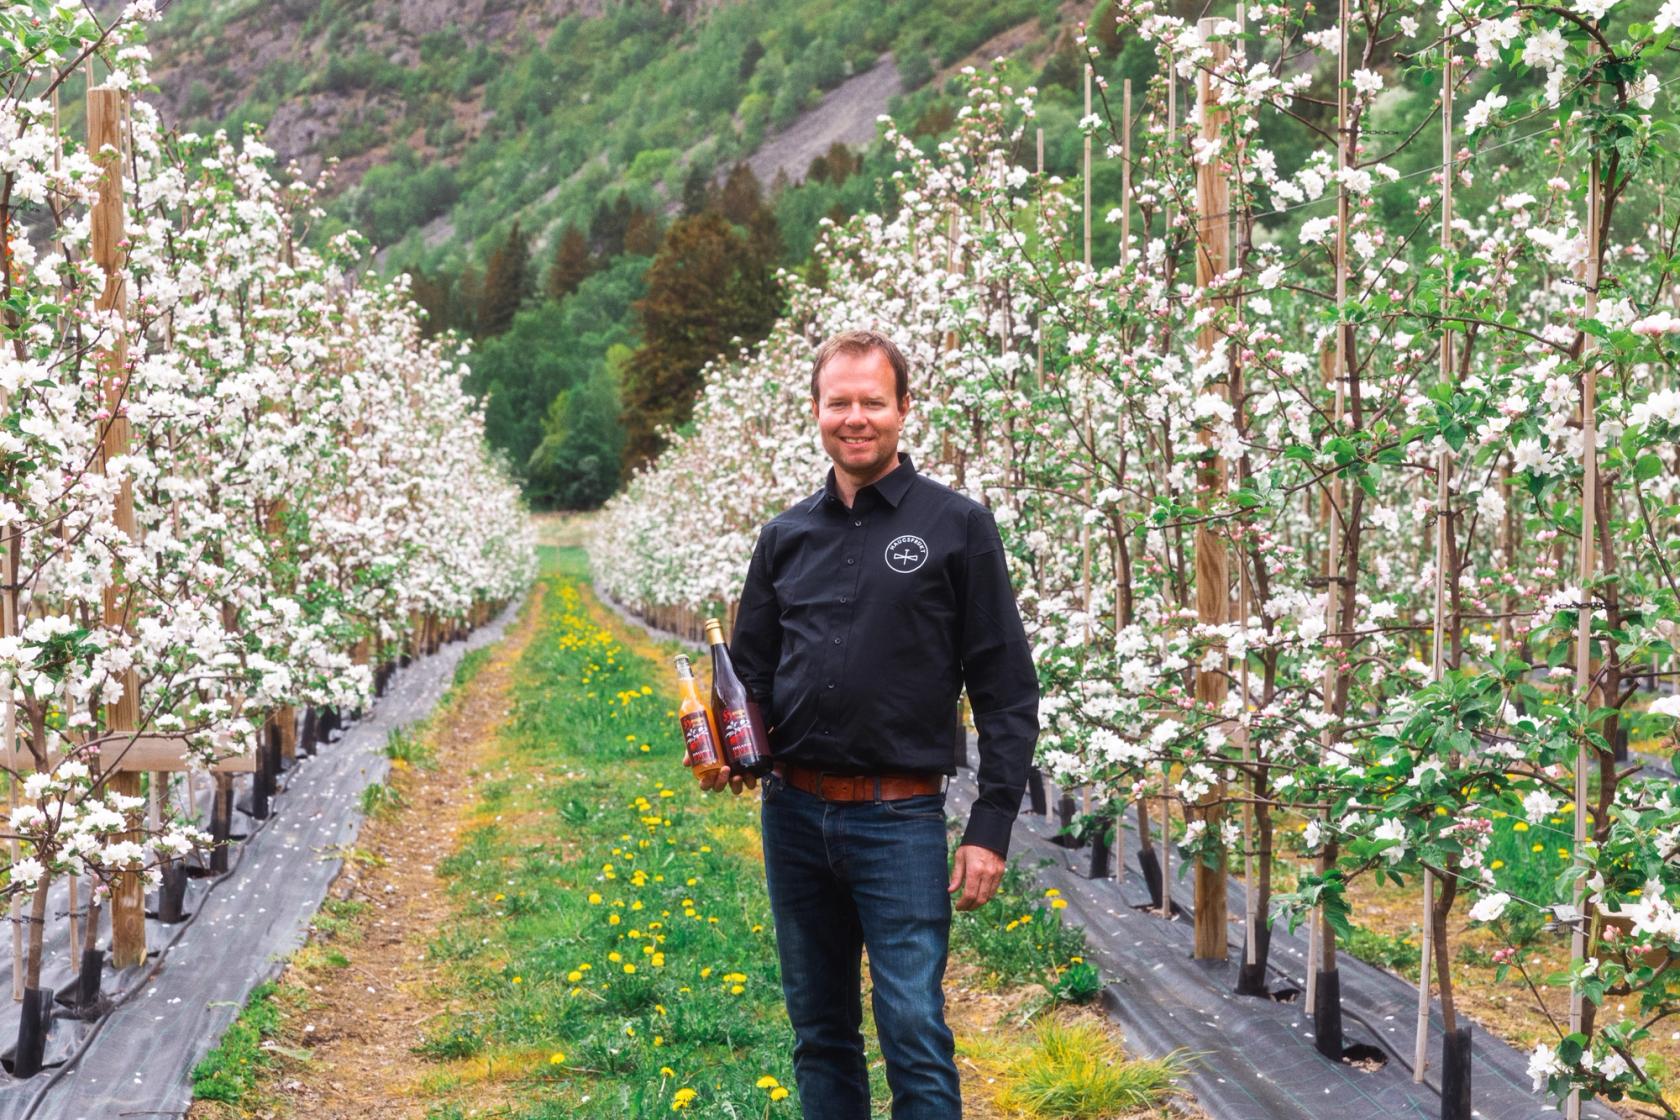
(977, 871)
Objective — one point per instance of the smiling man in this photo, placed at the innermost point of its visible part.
(868, 607)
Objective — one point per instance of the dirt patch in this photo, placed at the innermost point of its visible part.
(345, 1049)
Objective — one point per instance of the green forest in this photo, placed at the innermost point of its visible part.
(600, 237)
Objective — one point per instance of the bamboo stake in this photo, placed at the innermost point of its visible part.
(1125, 171)
(1583, 628)
(1324, 941)
(1084, 526)
(1251, 893)
(1039, 382)
(1213, 566)
(1090, 445)
(1443, 495)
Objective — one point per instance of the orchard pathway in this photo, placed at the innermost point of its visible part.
(462, 969)
(353, 1000)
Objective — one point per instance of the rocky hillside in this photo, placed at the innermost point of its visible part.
(450, 119)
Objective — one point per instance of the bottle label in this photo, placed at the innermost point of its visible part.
(697, 734)
(737, 729)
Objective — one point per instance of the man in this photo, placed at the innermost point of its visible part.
(867, 608)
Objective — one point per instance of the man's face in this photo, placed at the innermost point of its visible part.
(859, 414)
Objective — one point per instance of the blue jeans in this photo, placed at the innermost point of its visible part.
(842, 876)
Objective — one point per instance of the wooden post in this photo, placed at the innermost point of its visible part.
(1443, 525)
(1213, 569)
(105, 145)
(1583, 626)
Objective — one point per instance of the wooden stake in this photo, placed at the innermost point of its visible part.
(105, 144)
(1213, 566)
(1443, 526)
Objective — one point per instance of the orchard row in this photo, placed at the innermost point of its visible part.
(1336, 462)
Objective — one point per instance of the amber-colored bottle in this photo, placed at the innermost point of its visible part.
(700, 736)
(740, 725)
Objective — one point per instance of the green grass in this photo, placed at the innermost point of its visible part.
(593, 851)
(469, 666)
(609, 943)
(1076, 1073)
(592, 981)
(1396, 952)
(379, 799)
(406, 746)
(1019, 938)
(233, 1070)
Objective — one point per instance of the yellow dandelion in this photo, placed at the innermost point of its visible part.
(767, 1082)
(778, 1093)
(556, 1058)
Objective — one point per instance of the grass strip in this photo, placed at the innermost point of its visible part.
(614, 947)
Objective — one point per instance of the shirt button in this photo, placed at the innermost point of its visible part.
(851, 559)
(844, 600)
(837, 641)
(859, 524)
(830, 684)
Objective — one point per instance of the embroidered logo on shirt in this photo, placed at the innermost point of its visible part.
(906, 554)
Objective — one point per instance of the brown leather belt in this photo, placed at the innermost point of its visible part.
(859, 787)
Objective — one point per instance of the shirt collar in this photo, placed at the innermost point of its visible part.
(891, 487)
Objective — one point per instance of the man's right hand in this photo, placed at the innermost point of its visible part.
(724, 777)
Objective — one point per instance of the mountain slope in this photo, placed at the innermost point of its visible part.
(452, 118)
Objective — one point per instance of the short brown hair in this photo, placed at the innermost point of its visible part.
(862, 342)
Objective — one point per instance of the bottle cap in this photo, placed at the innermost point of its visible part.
(683, 669)
(714, 631)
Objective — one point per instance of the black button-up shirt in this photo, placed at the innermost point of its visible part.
(858, 629)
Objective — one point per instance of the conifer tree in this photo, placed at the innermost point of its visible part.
(741, 195)
(571, 266)
(507, 280)
(641, 233)
(431, 295)
(708, 284)
(696, 190)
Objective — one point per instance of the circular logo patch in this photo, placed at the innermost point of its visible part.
(906, 554)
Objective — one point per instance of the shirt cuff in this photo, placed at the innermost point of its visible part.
(988, 828)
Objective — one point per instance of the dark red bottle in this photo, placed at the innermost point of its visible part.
(746, 745)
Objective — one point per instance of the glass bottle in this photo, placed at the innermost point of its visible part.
(740, 724)
(700, 737)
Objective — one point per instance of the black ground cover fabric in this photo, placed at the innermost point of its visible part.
(1255, 1058)
(137, 1061)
